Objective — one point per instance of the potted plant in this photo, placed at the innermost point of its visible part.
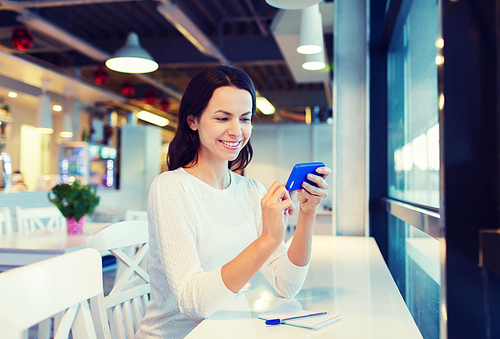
(76, 202)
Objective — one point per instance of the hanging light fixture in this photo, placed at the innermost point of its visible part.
(165, 104)
(311, 31)
(132, 58)
(67, 131)
(100, 76)
(314, 62)
(292, 4)
(44, 115)
(128, 89)
(22, 39)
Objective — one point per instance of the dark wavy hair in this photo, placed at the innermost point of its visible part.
(184, 147)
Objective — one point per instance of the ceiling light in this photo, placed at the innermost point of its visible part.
(12, 95)
(314, 62)
(132, 58)
(152, 118)
(57, 108)
(66, 135)
(44, 115)
(292, 4)
(67, 131)
(265, 106)
(311, 31)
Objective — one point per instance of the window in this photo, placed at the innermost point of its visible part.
(413, 162)
(413, 138)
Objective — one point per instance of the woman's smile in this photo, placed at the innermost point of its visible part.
(232, 145)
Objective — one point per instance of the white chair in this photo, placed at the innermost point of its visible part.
(33, 293)
(5, 220)
(31, 219)
(136, 215)
(130, 251)
(118, 314)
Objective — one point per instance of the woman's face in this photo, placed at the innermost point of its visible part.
(225, 125)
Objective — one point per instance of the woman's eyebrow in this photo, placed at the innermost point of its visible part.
(229, 113)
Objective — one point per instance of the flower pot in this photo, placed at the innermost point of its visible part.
(75, 227)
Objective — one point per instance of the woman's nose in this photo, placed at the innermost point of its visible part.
(235, 128)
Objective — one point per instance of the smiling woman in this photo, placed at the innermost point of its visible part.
(211, 229)
(224, 127)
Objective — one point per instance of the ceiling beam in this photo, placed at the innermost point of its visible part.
(173, 14)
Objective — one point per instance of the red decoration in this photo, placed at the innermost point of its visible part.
(150, 98)
(128, 90)
(101, 77)
(22, 39)
(164, 104)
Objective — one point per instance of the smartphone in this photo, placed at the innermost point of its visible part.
(299, 174)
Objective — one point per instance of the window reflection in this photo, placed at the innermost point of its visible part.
(413, 162)
(413, 107)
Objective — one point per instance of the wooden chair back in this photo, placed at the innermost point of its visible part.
(118, 314)
(33, 293)
(31, 219)
(5, 220)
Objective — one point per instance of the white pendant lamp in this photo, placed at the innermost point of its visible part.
(311, 31)
(67, 131)
(292, 4)
(314, 62)
(132, 58)
(44, 114)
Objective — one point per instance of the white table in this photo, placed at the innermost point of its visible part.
(23, 248)
(347, 276)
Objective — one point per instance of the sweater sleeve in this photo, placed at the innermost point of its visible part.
(285, 277)
(173, 240)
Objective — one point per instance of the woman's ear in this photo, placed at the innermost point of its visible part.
(191, 120)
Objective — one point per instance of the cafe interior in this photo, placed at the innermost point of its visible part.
(398, 97)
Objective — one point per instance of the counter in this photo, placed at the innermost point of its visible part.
(347, 276)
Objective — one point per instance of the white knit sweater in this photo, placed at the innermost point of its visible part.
(194, 229)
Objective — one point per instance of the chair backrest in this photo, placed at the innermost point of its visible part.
(5, 220)
(136, 215)
(30, 219)
(33, 293)
(118, 314)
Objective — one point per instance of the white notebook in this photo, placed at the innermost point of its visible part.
(313, 323)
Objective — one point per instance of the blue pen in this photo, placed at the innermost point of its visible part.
(280, 321)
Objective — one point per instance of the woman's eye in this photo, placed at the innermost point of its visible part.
(245, 120)
(221, 119)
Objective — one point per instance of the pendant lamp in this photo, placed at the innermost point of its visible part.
(292, 4)
(44, 114)
(311, 31)
(314, 62)
(67, 131)
(132, 58)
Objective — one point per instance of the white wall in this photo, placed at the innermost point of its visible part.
(140, 163)
(278, 147)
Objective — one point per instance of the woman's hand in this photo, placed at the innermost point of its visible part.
(310, 197)
(276, 204)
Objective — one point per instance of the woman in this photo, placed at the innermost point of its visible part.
(210, 229)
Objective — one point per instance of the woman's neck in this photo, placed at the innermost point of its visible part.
(214, 174)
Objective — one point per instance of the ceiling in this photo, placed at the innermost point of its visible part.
(74, 37)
